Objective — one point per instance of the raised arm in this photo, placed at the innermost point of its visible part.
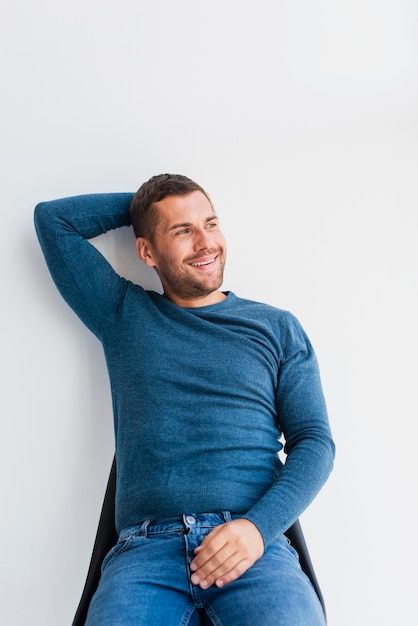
(84, 278)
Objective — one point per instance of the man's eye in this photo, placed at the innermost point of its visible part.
(184, 231)
(212, 225)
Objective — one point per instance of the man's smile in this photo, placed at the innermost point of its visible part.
(204, 262)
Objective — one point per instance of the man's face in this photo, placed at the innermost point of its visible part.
(188, 250)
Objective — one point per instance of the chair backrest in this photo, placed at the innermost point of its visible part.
(106, 538)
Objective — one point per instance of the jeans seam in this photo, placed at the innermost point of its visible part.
(188, 614)
(212, 616)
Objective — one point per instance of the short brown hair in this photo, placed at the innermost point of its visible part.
(144, 216)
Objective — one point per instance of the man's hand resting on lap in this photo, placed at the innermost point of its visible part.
(226, 553)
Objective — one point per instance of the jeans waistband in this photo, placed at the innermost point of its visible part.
(182, 524)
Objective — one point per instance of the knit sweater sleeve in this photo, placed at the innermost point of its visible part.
(303, 420)
(83, 276)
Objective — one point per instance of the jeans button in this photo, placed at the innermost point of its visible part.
(190, 519)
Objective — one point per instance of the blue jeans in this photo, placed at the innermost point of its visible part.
(146, 582)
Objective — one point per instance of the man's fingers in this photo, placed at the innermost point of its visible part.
(226, 572)
(226, 553)
(208, 560)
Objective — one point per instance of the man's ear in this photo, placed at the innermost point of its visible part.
(144, 251)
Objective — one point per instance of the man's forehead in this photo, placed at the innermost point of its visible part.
(186, 208)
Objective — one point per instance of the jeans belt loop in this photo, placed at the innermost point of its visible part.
(144, 528)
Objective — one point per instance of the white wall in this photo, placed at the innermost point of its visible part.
(300, 118)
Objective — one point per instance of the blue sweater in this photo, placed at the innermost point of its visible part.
(201, 396)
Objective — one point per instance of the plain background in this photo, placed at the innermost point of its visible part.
(301, 120)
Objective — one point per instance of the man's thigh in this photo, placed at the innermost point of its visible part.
(273, 592)
(144, 582)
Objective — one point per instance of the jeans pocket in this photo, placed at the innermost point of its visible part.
(282, 546)
(291, 549)
(120, 547)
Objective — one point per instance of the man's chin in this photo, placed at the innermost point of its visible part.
(203, 289)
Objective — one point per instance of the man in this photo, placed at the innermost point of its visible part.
(204, 384)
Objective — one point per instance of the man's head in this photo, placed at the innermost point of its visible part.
(180, 237)
(144, 213)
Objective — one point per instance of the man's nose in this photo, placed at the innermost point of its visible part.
(203, 240)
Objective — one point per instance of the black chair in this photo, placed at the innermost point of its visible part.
(106, 538)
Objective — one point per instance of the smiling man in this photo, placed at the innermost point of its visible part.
(186, 247)
(204, 385)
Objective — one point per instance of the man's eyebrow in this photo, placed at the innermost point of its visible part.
(188, 224)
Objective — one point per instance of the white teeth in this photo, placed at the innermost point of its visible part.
(203, 263)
